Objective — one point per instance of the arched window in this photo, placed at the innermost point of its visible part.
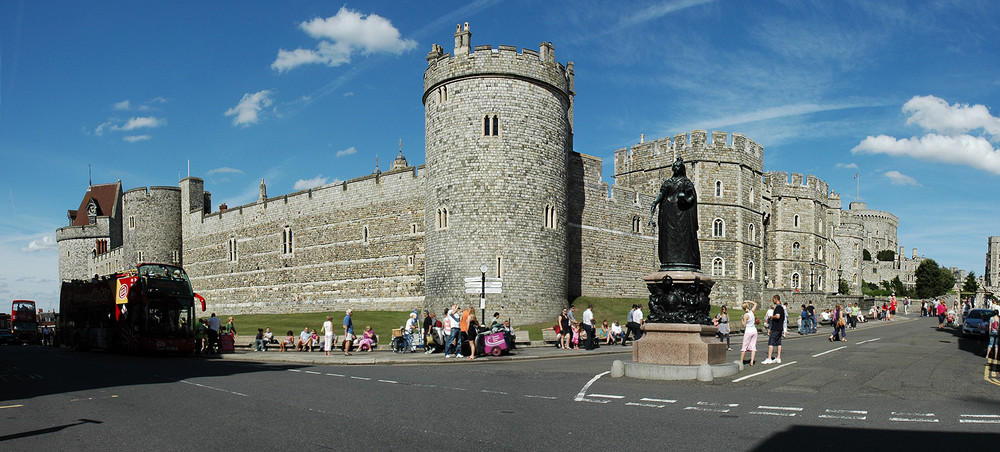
(718, 267)
(751, 233)
(718, 188)
(796, 249)
(718, 228)
(441, 221)
(550, 217)
(795, 221)
(365, 234)
(637, 224)
(751, 271)
(819, 252)
(796, 281)
(491, 125)
(286, 241)
(855, 279)
(751, 196)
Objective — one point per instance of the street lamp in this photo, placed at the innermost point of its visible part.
(482, 294)
(840, 277)
(812, 271)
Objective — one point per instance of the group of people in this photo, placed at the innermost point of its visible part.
(776, 321)
(459, 330)
(209, 335)
(570, 332)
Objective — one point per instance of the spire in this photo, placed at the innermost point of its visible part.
(263, 191)
(377, 171)
(400, 161)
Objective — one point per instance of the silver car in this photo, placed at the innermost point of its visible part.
(977, 322)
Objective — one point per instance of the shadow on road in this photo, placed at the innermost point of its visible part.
(43, 431)
(30, 371)
(839, 439)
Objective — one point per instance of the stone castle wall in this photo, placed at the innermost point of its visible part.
(354, 244)
(880, 227)
(75, 245)
(802, 254)
(152, 226)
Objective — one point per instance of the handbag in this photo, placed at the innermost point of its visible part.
(841, 322)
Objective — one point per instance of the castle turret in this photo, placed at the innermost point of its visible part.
(498, 134)
(152, 231)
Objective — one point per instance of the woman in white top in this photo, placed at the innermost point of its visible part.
(328, 335)
(749, 332)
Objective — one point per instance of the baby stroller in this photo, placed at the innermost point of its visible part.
(403, 341)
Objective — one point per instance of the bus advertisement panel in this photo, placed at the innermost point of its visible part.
(24, 321)
(147, 309)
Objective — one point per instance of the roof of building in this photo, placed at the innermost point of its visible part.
(105, 197)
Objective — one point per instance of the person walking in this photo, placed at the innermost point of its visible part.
(804, 321)
(777, 321)
(328, 335)
(942, 309)
(839, 334)
(813, 321)
(588, 326)
(628, 324)
(348, 331)
(214, 325)
(749, 332)
(994, 331)
(723, 319)
(471, 333)
(453, 345)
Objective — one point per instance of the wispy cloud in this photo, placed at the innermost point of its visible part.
(136, 138)
(659, 10)
(954, 144)
(46, 243)
(348, 151)
(342, 35)
(303, 184)
(223, 170)
(846, 165)
(897, 178)
(127, 105)
(248, 110)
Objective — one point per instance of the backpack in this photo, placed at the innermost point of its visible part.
(994, 326)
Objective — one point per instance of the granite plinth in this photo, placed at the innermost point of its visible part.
(678, 344)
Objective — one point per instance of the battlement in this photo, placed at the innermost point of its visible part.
(808, 186)
(694, 146)
(145, 192)
(504, 61)
(101, 229)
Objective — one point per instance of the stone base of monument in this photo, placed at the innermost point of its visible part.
(677, 351)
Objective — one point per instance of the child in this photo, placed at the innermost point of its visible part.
(576, 337)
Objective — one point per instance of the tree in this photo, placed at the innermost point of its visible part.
(933, 280)
(866, 255)
(970, 286)
(844, 289)
(886, 255)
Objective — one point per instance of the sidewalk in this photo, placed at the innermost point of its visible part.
(383, 355)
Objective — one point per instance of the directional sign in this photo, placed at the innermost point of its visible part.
(489, 284)
(488, 290)
(480, 279)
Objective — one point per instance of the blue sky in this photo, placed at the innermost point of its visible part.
(305, 93)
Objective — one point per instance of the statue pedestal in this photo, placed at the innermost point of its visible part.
(679, 344)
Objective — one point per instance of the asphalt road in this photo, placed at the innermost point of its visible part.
(898, 385)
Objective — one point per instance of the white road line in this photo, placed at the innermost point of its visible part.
(583, 392)
(830, 351)
(764, 371)
(492, 392)
(979, 419)
(783, 408)
(869, 340)
(647, 405)
(388, 381)
(606, 396)
(11, 406)
(311, 372)
(981, 415)
(847, 411)
(591, 400)
(213, 388)
(772, 413)
(839, 416)
(717, 404)
(294, 370)
(714, 410)
(915, 417)
(336, 375)
(540, 397)
(361, 378)
(647, 399)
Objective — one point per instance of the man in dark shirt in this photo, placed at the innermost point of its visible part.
(777, 320)
(812, 317)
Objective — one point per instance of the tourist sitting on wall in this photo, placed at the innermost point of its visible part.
(603, 331)
(616, 334)
(825, 315)
(268, 337)
(313, 339)
(367, 340)
(288, 342)
(304, 340)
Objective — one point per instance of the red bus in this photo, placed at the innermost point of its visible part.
(147, 309)
(24, 321)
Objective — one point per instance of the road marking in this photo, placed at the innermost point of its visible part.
(914, 417)
(583, 392)
(592, 400)
(607, 396)
(389, 381)
(976, 418)
(361, 378)
(869, 340)
(213, 388)
(647, 405)
(717, 404)
(11, 406)
(312, 372)
(646, 399)
(829, 351)
(783, 408)
(787, 411)
(540, 397)
(294, 370)
(714, 410)
(485, 391)
(335, 375)
(850, 415)
(94, 398)
(773, 413)
(764, 371)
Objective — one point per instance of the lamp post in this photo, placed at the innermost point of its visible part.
(840, 277)
(482, 294)
(812, 272)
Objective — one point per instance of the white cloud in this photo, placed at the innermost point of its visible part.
(136, 138)
(349, 94)
(847, 165)
(933, 113)
(348, 151)
(123, 105)
(248, 110)
(45, 243)
(303, 184)
(953, 144)
(140, 122)
(342, 35)
(223, 170)
(100, 129)
(898, 178)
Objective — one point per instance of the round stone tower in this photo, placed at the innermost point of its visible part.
(499, 129)
(151, 226)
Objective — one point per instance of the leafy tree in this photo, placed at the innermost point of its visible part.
(866, 255)
(844, 289)
(970, 285)
(933, 280)
(886, 255)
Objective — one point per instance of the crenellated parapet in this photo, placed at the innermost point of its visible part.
(695, 146)
(540, 66)
(799, 186)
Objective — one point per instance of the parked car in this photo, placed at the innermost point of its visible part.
(977, 322)
(6, 337)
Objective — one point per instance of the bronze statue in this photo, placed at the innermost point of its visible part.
(678, 219)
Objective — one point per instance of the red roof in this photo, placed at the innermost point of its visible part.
(105, 197)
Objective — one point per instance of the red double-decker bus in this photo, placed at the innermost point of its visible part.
(148, 309)
(24, 321)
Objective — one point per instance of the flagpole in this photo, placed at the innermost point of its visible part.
(857, 198)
